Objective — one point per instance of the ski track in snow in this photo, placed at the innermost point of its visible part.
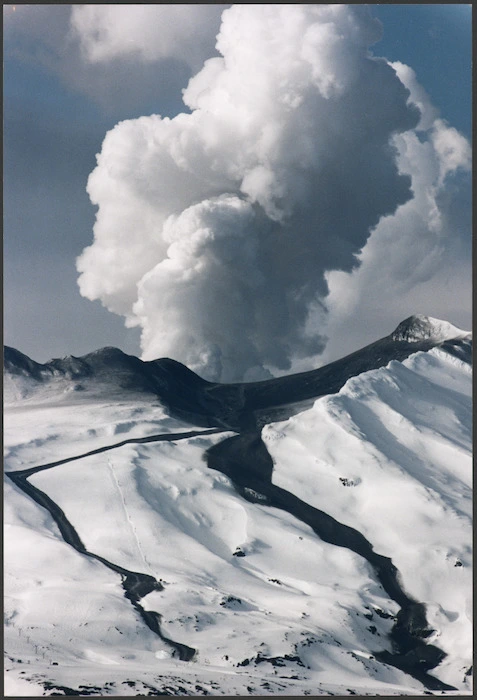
(127, 515)
(136, 585)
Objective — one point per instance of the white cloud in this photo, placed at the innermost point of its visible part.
(126, 58)
(452, 148)
(416, 260)
(217, 230)
(147, 32)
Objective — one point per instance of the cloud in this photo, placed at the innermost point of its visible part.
(147, 32)
(418, 259)
(127, 59)
(217, 230)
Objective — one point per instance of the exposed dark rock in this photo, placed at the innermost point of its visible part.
(279, 660)
(230, 601)
(384, 615)
(85, 690)
(245, 662)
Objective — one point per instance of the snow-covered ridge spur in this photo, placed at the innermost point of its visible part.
(306, 454)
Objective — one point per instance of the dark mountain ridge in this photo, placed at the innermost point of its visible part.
(188, 396)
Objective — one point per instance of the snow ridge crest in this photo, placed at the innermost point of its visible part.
(418, 327)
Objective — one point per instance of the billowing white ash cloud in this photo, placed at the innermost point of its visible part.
(419, 259)
(149, 32)
(215, 229)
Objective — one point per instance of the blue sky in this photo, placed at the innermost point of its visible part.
(57, 110)
(436, 40)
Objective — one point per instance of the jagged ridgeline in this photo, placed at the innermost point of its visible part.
(189, 396)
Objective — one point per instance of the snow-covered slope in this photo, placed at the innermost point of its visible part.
(265, 605)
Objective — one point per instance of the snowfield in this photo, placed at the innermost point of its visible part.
(391, 456)
(268, 606)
